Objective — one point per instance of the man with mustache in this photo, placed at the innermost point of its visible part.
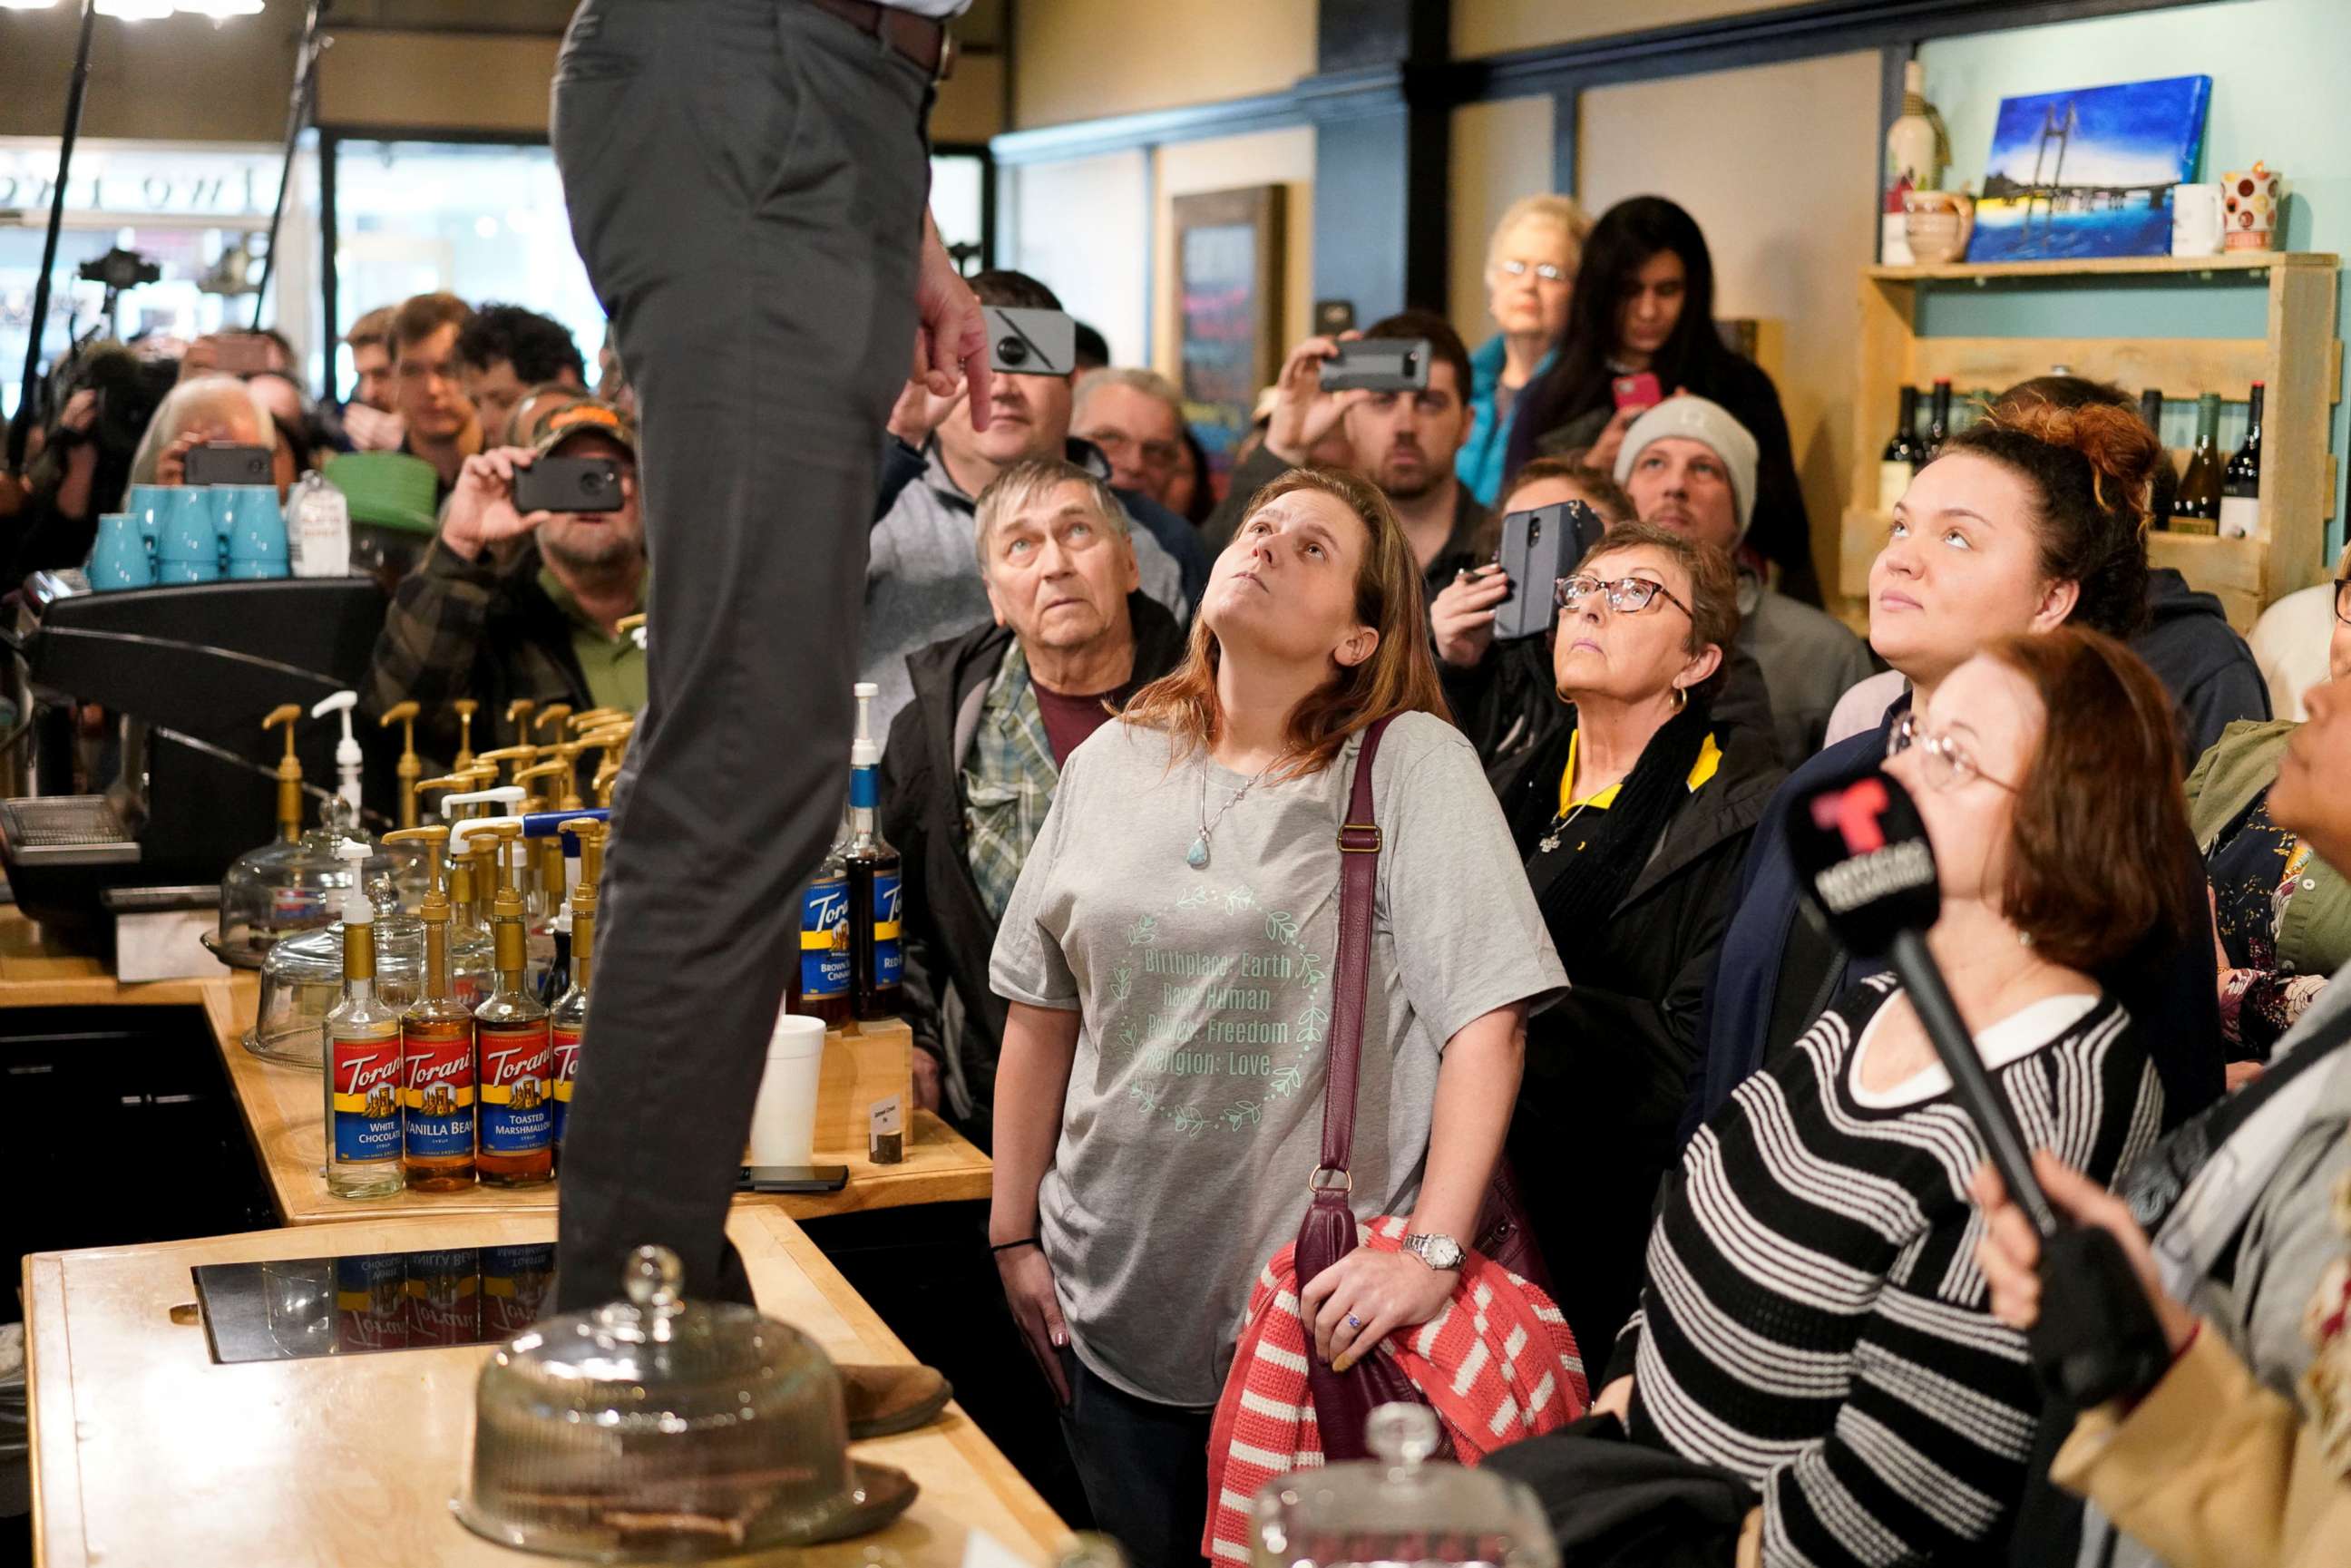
(1690, 466)
(921, 582)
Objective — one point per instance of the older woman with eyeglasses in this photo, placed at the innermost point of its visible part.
(1633, 819)
(1812, 1321)
(2282, 916)
(1530, 276)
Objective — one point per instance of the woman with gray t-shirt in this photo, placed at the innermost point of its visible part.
(1168, 958)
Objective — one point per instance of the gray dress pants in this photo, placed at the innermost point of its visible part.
(746, 182)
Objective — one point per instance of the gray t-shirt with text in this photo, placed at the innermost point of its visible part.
(1195, 1108)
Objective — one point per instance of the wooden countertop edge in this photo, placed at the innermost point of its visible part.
(988, 1461)
(55, 1476)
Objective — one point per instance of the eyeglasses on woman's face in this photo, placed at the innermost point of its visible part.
(1948, 763)
(1545, 271)
(2343, 600)
(1625, 596)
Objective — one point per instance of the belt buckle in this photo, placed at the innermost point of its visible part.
(948, 50)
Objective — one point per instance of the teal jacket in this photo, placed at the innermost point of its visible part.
(2314, 938)
(1483, 457)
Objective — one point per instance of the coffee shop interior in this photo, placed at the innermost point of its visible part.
(305, 810)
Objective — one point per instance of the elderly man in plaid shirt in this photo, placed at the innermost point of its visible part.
(973, 760)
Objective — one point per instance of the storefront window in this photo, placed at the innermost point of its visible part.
(200, 213)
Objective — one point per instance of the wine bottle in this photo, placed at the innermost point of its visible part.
(1939, 421)
(1900, 462)
(2197, 509)
(2167, 479)
(2241, 481)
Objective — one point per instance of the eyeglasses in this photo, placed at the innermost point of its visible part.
(1158, 455)
(1626, 595)
(1948, 765)
(2343, 600)
(1547, 271)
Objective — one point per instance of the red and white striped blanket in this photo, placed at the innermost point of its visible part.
(1498, 1365)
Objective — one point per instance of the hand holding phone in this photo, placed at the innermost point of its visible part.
(1538, 547)
(1639, 389)
(1377, 364)
(1030, 342)
(568, 484)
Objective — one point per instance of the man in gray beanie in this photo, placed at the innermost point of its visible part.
(1690, 466)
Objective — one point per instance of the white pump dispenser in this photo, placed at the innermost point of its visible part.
(347, 750)
(358, 908)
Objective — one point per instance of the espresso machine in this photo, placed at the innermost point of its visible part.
(145, 810)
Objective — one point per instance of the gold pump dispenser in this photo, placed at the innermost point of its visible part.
(464, 708)
(412, 767)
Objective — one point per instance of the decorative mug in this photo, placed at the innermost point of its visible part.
(188, 545)
(2199, 220)
(124, 555)
(2251, 197)
(1937, 223)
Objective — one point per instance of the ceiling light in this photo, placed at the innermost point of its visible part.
(135, 10)
(220, 10)
(27, 5)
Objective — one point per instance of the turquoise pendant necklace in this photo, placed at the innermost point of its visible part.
(1196, 857)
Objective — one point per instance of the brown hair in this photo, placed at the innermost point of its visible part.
(2100, 852)
(1714, 584)
(374, 328)
(2092, 469)
(1399, 677)
(1607, 497)
(423, 315)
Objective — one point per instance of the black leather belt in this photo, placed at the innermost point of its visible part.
(919, 38)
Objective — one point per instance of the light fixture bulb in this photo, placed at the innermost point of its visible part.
(220, 10)
(135, 10)
(27, 5)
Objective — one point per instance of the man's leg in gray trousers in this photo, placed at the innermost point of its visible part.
(746, 180)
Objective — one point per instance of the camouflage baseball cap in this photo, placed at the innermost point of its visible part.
(549, 420)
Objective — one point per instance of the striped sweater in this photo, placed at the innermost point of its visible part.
(1814, 1318)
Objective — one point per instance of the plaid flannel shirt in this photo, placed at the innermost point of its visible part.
(1008, 783)
(461, 628)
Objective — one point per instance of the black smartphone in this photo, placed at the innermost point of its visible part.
(568, 484)
(1030, 342)
(223, 463)
(793, 1178)
(1378, 364)
(1538, 547)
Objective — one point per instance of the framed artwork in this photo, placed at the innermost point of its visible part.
(1229, 283)
(2089, 173)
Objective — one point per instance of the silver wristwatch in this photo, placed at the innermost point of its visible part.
(1441, 1253)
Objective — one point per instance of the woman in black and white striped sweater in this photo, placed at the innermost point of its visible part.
(1813, 1319)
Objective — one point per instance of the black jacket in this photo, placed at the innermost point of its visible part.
(949, 934)
(1607, 1067)
(2202, 663)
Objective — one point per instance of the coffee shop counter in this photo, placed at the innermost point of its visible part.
(146, 1451)
(283, 1112)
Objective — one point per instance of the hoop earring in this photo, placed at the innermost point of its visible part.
(1681, 698)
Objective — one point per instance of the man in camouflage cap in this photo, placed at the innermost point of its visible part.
(512, 604)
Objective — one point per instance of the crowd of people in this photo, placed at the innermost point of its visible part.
(1126, 698)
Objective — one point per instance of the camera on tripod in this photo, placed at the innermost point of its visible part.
(120, 270)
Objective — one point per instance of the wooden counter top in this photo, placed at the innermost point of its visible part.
(143, 1451)
(285, 1114)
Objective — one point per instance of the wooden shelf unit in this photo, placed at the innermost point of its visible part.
(2299, 358)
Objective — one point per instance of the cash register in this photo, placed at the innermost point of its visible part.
(181, 778)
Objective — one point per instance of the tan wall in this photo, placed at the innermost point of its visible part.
(437, 82)
(1502, 151)
(1083, 59)
(1788, 231)
(1274, 157)
(1489, 26)
(179, 79)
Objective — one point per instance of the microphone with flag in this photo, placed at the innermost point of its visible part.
(1865, 863)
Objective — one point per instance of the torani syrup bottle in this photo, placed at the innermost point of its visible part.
(514, 1055)
(568, 1019)
(436, 1035)
(362, 1060)
(820, 982)
(875, 915)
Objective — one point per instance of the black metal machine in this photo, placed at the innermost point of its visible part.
(179, 780)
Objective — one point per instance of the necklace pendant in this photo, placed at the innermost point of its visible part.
(1548, 843)
(1196, 857)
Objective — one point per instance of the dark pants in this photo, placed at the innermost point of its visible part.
(1144, 1467)
(746, 181)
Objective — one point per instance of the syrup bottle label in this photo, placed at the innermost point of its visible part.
(565, 1068)
(366, 1069)
(371, 1303)
(445, 1302)
(824, 940)
(516, 1282)
(517, 1117)
(889, 954)
(437, 1099)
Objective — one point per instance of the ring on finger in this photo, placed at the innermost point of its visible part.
(1353, 1322)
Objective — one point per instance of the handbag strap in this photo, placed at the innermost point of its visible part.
(1360, 842)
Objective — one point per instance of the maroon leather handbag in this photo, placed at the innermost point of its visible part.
(1344, 1401)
